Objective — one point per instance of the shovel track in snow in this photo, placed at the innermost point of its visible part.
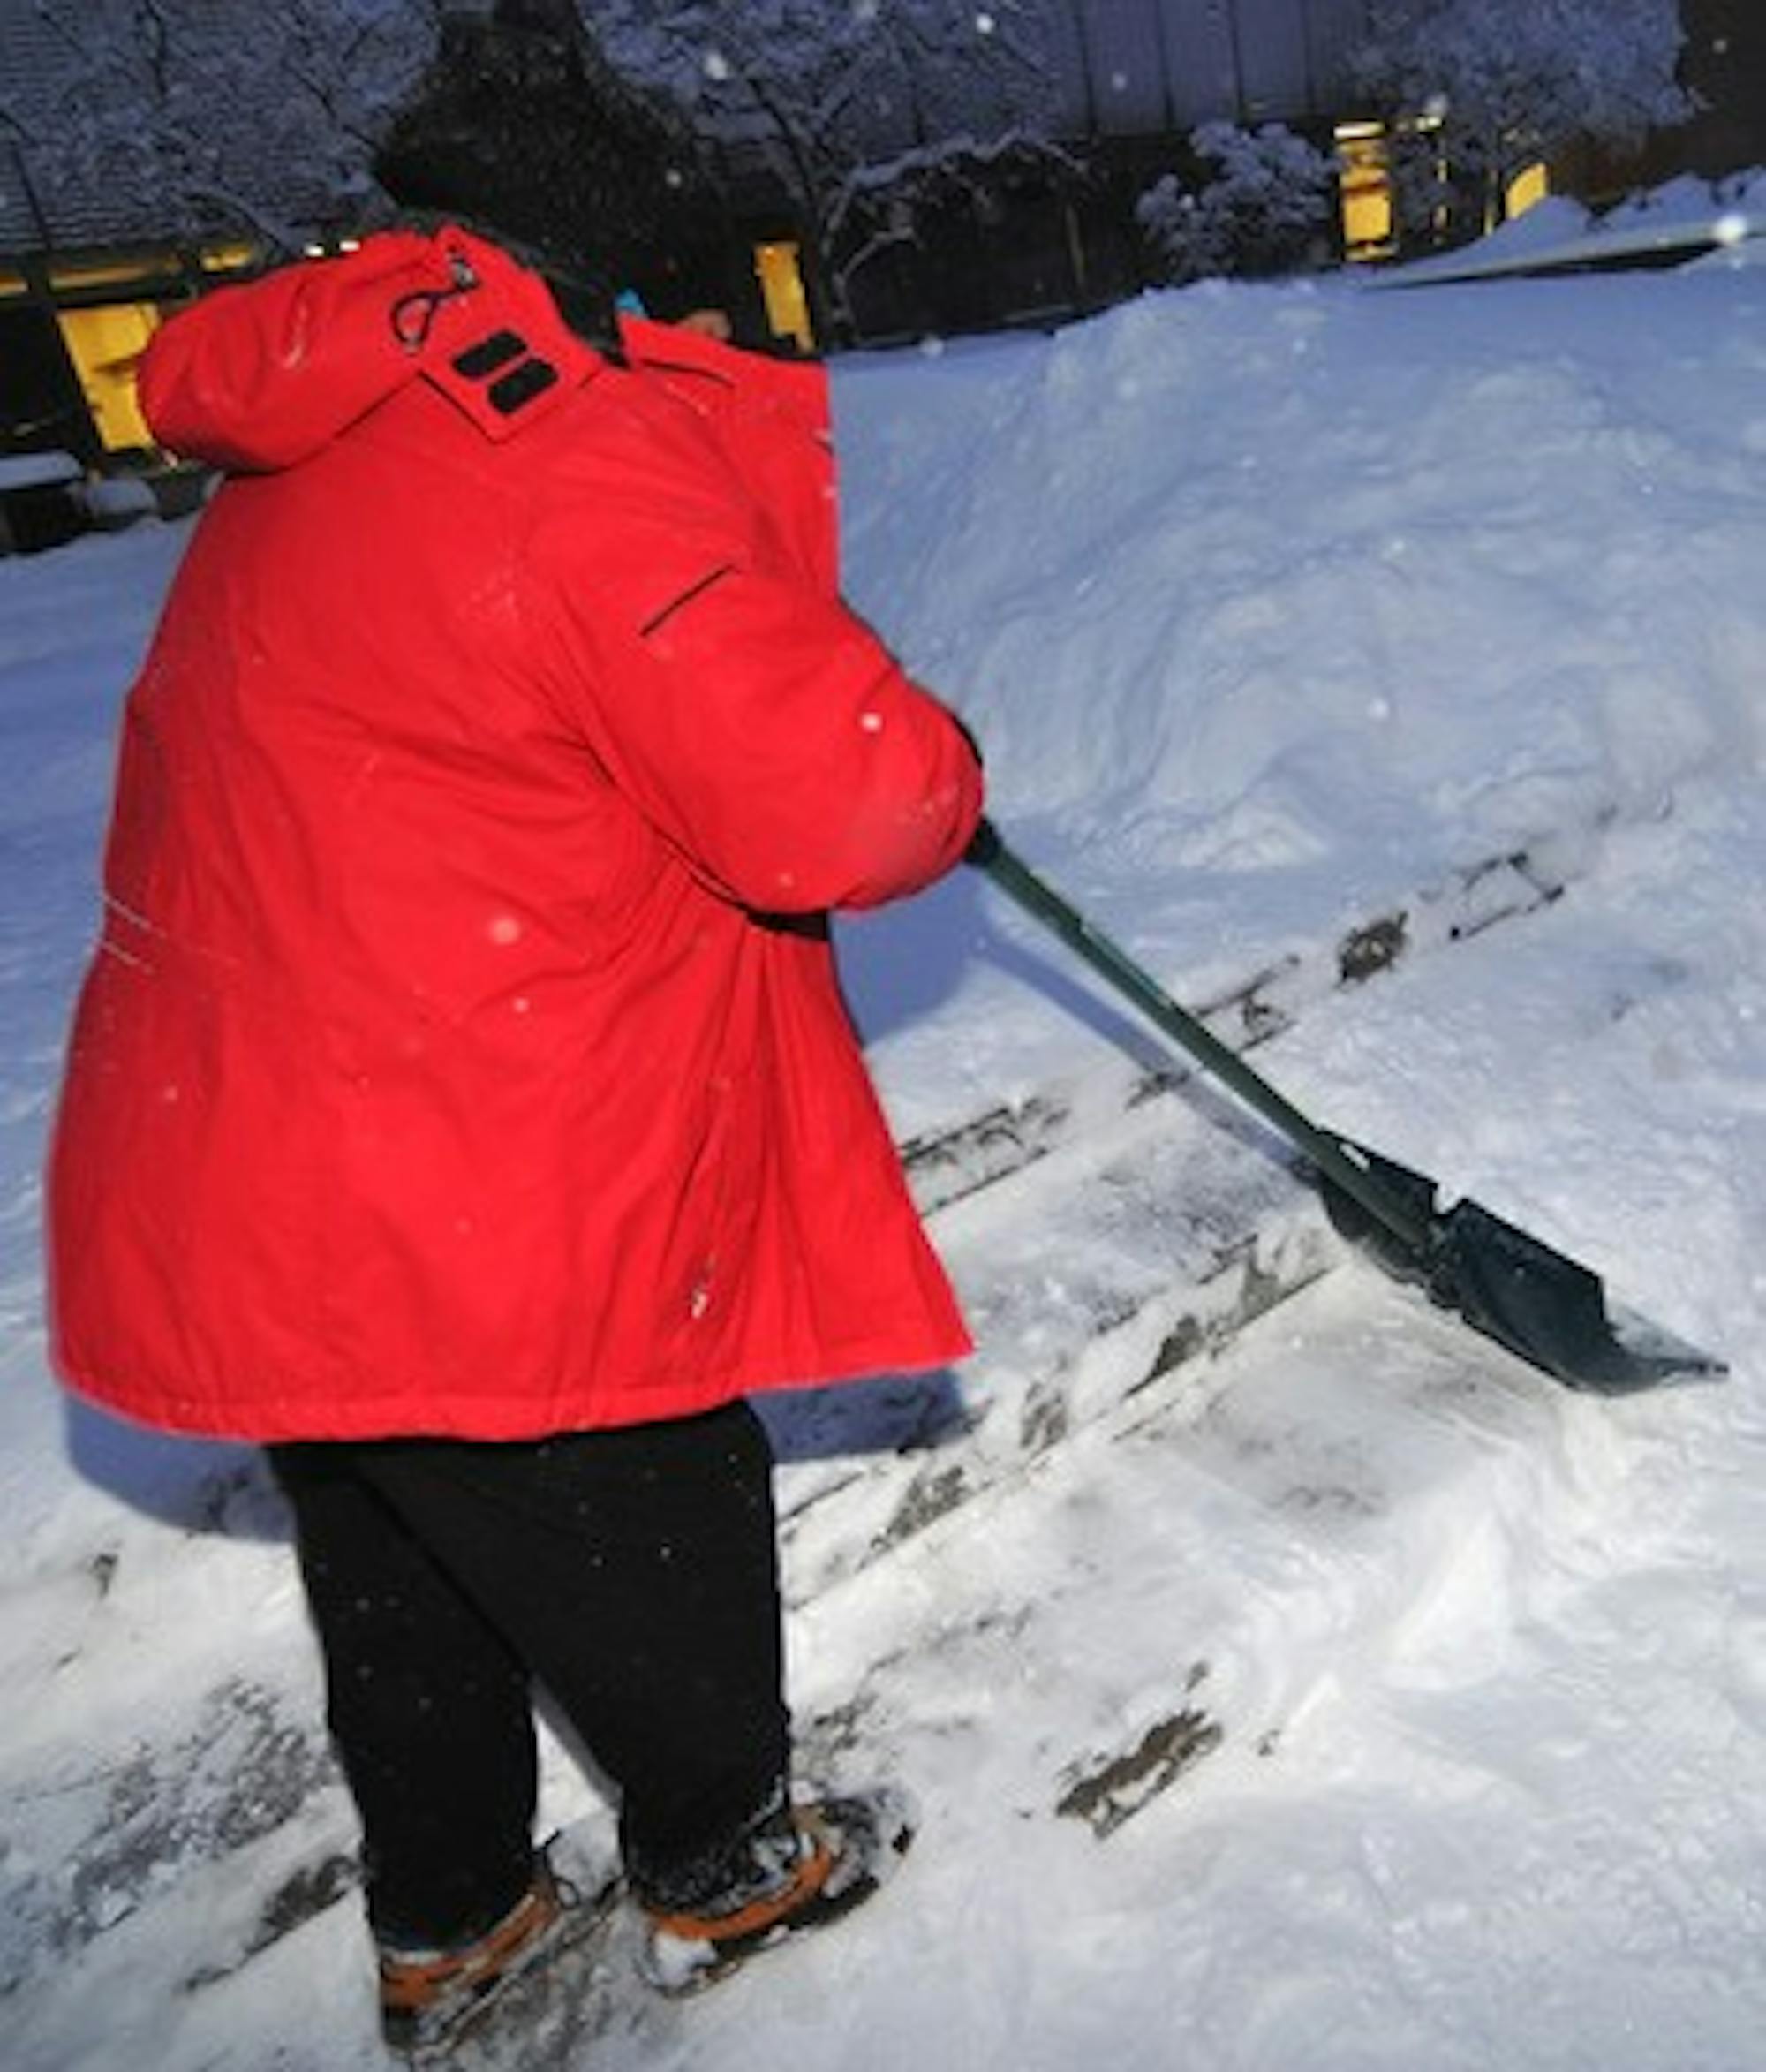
(946, 1164)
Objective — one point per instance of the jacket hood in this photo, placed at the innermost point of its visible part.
(264, 375)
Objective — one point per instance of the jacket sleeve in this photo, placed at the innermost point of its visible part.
(757, 722)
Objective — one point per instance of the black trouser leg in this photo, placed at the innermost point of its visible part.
(632, 1572)
(428, 1708)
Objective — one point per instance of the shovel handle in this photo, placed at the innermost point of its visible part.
(1333, 1157)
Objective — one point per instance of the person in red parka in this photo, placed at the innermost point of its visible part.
(460, 1100)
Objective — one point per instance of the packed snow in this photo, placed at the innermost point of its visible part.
(1343, 1694)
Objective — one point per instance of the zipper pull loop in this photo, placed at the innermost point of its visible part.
(414, 315)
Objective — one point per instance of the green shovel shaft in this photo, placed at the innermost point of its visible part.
(1331, 1154)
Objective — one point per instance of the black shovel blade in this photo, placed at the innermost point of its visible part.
(1539, 1304)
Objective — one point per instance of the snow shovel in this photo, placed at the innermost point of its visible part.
(1541, 1305)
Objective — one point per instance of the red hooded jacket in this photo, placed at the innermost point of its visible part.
(464, 1053)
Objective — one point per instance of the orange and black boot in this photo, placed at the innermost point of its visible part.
(430, 1997)
(829, 1855)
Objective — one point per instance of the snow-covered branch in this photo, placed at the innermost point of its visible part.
(152, 107)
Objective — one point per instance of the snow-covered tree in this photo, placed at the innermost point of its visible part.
(522, 123)
(866, 113)
(194, 116)
(1263, 204)
(1509, 81)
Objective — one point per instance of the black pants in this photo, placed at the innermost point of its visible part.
(632, 1573)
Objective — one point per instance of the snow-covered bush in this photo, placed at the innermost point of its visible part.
(1262, 203)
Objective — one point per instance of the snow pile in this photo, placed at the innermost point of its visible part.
(1288, 599)
(1353, 1698)
(1266, 531)
(1689, 199)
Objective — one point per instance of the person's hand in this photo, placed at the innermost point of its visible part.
(709, 324)
(983, 844)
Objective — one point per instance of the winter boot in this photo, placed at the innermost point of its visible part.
(833, 1854)
(429, 1998)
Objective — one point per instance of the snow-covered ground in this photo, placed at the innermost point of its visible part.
(1343, 1694)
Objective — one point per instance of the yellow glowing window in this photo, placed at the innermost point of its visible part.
(781, 288)
(105, 345)
(110, 273)
(1364, 190)
(221, 259)
(1528, 187)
